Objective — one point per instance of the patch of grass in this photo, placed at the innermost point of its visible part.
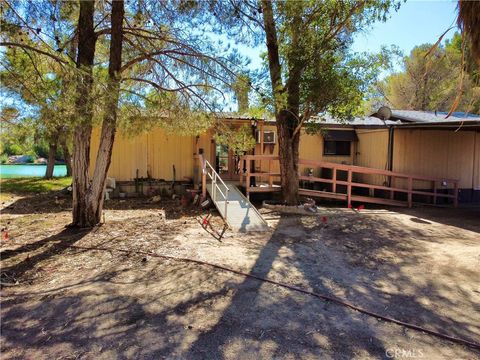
(33, 185)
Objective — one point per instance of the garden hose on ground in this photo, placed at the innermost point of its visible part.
(294, 288)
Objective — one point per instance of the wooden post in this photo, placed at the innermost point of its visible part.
(349, 188)
(241, 171)
(261, 144)
(334, 178)
(270, 179)
(392, 185)
(410, 195)
(455, 189)
(247, 182)
(203, 174)
(204, 183)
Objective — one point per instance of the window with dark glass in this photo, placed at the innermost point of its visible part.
(334, 147)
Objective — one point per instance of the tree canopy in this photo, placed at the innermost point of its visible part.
(430, 79)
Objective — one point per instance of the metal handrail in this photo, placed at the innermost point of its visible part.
(214, 176)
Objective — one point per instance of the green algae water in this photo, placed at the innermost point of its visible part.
(29, 170)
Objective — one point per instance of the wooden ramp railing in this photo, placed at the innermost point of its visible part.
(346, 187)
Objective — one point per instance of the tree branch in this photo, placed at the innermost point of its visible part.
(24, 46)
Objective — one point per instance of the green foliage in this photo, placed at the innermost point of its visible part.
(318, 72)
(313, 128)
(33, 185)
(241, 88)
(432, 82)
(331, 78)
(43, 90)
(18, 137)
(171, 78)
(239, 140)
(165, 110)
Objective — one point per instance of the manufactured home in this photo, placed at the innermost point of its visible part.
(413, 156)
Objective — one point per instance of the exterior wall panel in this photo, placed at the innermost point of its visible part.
(151, 153)
(476, 162)
(168, 150)
(435, 153)
(128, 155)
(311, 148)
(372, 152)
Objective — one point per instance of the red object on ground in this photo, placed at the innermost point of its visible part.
(361, 207)
(324, 219)
(205, 221)
(5, 235)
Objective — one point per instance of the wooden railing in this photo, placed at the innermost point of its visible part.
(351, 182)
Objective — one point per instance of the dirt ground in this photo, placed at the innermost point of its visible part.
(417, 265)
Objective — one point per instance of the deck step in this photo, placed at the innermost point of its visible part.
(326, 194)
(381, 201)
(241, 214)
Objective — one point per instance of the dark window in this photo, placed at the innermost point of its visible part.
(332, 147)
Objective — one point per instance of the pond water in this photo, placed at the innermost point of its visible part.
(30, 170)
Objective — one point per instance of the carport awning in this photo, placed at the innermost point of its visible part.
(340, 135)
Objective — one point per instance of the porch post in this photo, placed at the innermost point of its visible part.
(349, 188)
(203, 174)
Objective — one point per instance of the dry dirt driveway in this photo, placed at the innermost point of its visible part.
(419, 266)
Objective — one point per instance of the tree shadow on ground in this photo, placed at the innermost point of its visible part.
(365, 251)
(92, 319)
(57, 244)
(465, 218)
(52, 202)
(166, 309)
(55, 202)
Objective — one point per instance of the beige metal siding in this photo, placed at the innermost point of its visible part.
(372, 152)
(476, 162)
(168, 150)
(435, 153)
(128, 155)
(154, 152)
(205, 143)
(311, 148)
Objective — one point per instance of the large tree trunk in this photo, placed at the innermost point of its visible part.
(288, 154)
(52, 152)
(286, 120)
(67, 157)
(89, 208)
(107, 137)
(83, 129)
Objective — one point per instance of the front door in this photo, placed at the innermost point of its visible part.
(227, 163)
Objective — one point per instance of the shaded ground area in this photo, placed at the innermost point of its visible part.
(417, 265)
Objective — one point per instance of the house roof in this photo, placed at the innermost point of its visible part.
(431, 117)
(399, 118)
(237, 116)
(406, 118)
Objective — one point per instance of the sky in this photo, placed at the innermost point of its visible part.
(415, 23)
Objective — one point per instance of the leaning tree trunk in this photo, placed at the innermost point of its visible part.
(52, 152)
(87, 209)
(83, 129)
(107, 136)
(67, 157)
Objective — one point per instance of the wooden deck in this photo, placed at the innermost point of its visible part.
(241, 214)
(393, 195)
